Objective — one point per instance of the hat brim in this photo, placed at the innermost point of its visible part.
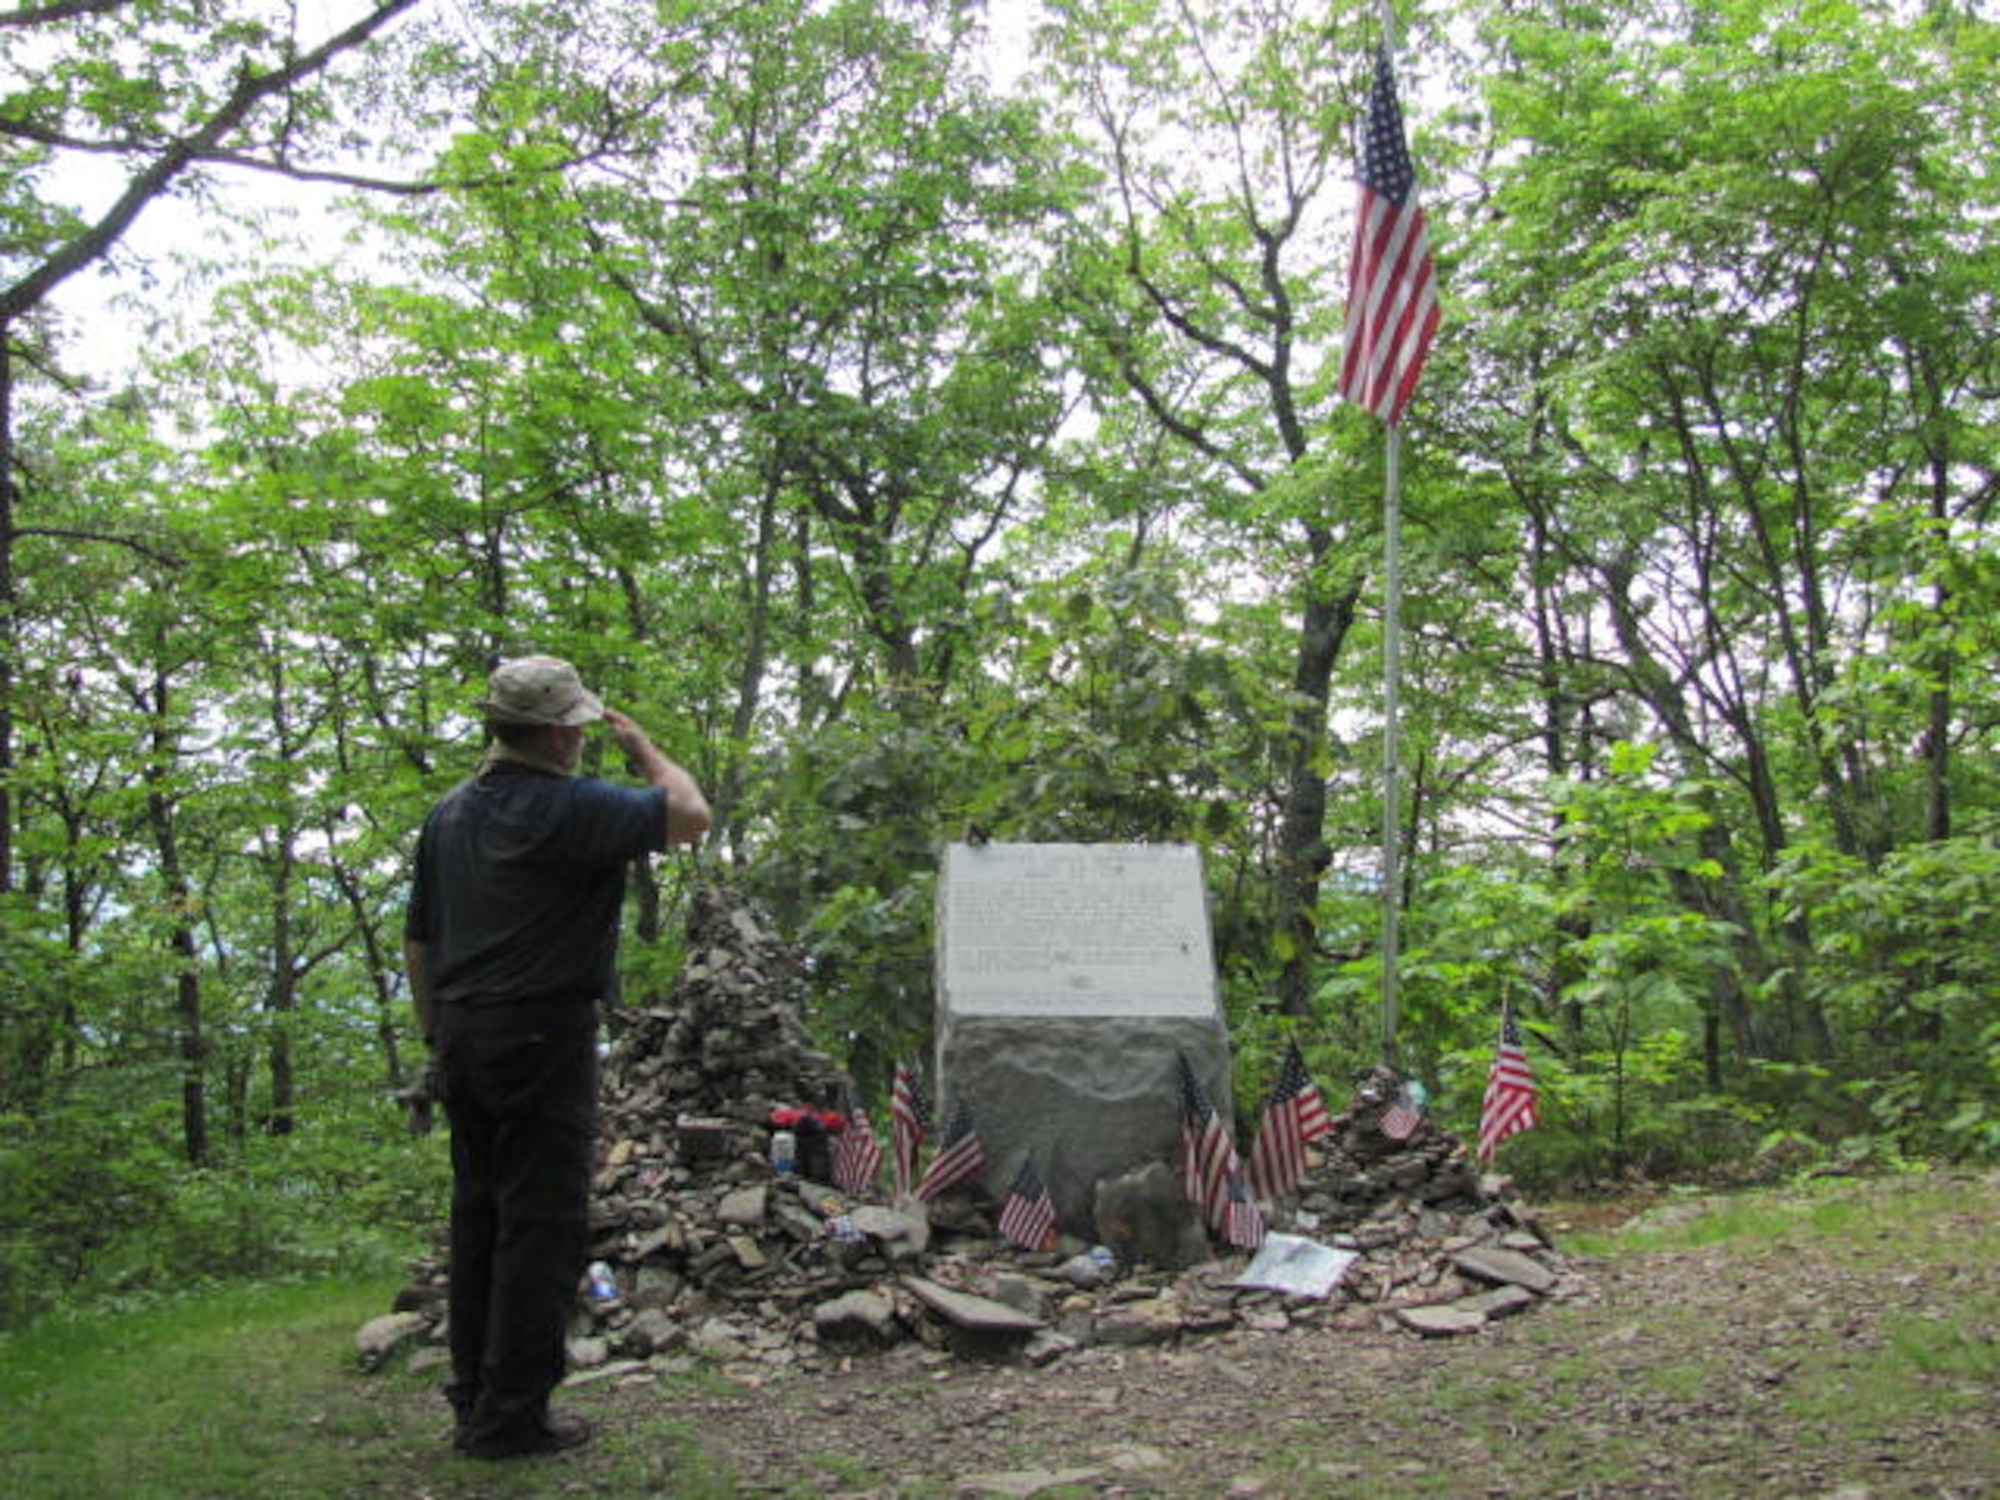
(586, 710)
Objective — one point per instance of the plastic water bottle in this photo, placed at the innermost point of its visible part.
(784, 1152)
(600, 1286)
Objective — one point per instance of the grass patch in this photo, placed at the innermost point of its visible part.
(1878, 1218)
(242, 1393)
(1920, 1364)
(1932, 1346)
(256, 1394)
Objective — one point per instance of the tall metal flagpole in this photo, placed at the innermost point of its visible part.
(1392, 749)
(1392, 698)
(1392, 312)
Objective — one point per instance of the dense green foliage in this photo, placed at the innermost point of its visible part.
(912, 442)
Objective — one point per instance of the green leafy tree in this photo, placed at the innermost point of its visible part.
(176, 97)
(1729, 339)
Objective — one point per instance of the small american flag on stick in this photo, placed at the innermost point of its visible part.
(1242, 1221)
(1400, 1120)
(1208, 1156)
(960, 1155)
(1028, 1217)
(857, 1155)
(909, 1119)
(1294, 1117)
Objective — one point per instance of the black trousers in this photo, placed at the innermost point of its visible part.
(520, 1089)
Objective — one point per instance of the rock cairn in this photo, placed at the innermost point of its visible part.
(714, 1254)
(694, 1080)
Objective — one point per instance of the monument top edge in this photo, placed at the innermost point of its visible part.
(1000, 845)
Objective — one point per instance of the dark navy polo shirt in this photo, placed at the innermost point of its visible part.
(520, 881)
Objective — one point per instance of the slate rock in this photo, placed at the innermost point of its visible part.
(1023, 1484)
(1135, 1325)
(379, 1339)
(859, 1319)
(1491, 1263)
(1447, 1321)
(1144, 1216)
(969, 1310)
(652, 1331)
(1500, 1302)
(902, 1236)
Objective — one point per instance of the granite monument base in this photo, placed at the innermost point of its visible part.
(1087, 1099)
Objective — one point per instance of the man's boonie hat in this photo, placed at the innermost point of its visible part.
(539, 690)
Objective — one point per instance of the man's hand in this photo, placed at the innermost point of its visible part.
(419, 1097)
(688, 815)
(630, 737)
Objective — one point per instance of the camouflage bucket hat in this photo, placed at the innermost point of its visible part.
(539, 690)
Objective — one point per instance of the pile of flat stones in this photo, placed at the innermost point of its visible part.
(714, 1254)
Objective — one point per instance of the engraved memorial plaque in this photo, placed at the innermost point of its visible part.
(1075, 930)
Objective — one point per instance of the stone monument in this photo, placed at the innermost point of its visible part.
(1070, 977)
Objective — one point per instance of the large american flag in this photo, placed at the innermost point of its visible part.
(909, 1119)
(960, 1155)
(1294, 1117)
(1028, 1217)
(857, 1155)
(1208, 1155)
(1392, 306)
(1509, 1105)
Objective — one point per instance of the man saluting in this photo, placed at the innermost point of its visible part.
(510, 941)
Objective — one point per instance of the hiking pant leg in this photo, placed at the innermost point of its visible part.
(520, 1214)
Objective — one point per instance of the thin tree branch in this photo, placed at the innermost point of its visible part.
(251, 90)
(57, 10)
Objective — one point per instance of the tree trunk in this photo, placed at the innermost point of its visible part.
(1302, 854)
(8, 634)
(191, 1043)
(381, 963)
(281, 1000)
(754, 662)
